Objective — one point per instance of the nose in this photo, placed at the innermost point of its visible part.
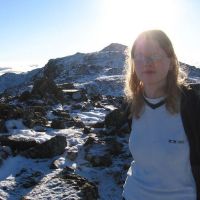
(148, 61)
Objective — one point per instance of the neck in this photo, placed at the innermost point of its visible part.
(152, 91)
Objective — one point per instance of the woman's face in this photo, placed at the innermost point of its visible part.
(151, 62)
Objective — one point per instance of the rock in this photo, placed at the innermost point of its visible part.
(58, 124)
(116, 119)
(45, 88)
(17, 144)
(53, 147)
(72, 154)
(75, 94)
(67, 86)
(90, 140)
(10, 111)
(86, 130)
(4, 153)
(118, 177)
(61, 114)
(36, 121)
(99, 160)
(25, 96)
(28, 178)
(78, 123)
(76, 106)
(88, 190)
(42, 110)
(3, 128)
(55, 164)
(52, 69)
(64, 185)
(1, 161)
(98, 125)
(34, 116)
(95, 98)
(114, 147)
(67, 170)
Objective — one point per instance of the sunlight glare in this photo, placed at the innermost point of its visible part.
(127, 18)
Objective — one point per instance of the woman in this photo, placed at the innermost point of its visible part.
(165, 129)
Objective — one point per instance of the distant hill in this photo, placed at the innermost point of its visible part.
(98, 72)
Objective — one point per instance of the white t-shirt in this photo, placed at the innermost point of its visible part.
(161, 167)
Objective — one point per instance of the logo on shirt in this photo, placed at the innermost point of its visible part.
(176, 141)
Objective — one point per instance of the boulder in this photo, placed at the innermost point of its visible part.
(88, 190)
(17, 144)
(116, 119)
(45, 88)
(3, 128)
(53, 147)
(8, 111)
(58, 123)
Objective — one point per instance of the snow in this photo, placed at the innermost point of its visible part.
(94, 115)
(52, 186)
(99, 72)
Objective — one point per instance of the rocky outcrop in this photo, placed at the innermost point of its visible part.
(53, 147)
(73, 186)
(3, 128)
(88, 190)
(17, 144)
(10, 111)
(116, 119)
(45, 88)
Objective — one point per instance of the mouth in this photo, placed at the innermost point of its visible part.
(149, 72)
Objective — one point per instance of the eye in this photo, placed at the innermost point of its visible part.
(156, 57)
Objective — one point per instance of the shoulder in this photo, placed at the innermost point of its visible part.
(190, 95)
(192, 90)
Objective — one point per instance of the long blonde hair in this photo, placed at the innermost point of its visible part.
(175, 78)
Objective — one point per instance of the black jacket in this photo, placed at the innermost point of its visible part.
(190, 114)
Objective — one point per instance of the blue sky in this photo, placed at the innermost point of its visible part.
(34, 31)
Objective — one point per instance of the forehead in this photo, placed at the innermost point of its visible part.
(147, 46)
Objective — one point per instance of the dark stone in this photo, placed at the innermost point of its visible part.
(3, 128)
(89, 141)
(72, 154)
(58, 124)
(88, 190)
(116, 119)
(61, 113)
(45, 88)
(96, 98)
(54, 165)
(34, 116)
(66, 86)
(52, 70)
(115, 147)
(86, 130)
(25, 96)
(30, 123)
(53, 147)
(99, 160)
(31, 180)
(98, 125)
(17, 144)
(10, 111)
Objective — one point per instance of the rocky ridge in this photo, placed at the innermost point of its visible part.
(65, 123)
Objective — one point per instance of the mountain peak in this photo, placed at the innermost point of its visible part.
(115, 47)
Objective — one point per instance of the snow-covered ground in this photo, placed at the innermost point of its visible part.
(99, 72)
(16, 171)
